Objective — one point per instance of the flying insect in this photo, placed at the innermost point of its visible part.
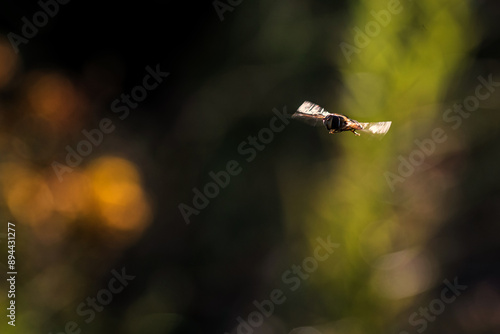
(314, 115)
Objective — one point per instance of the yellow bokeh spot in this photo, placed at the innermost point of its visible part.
(28, 196)
(118, 194)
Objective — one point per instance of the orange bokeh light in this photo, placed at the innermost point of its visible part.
(118, 194)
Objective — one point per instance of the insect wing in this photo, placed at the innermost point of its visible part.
(376, 128)
(310, 113)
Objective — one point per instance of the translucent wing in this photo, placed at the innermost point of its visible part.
(376, 128)
(314, 115)
(310, 113)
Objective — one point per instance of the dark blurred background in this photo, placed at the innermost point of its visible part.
(409, 215)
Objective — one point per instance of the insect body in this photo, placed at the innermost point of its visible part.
(314, 115)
